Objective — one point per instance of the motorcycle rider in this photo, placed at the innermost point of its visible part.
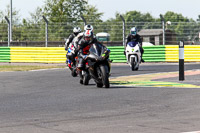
(133, 36)
(84, 46)
(76, 31)
(80, 35)
(88, 27)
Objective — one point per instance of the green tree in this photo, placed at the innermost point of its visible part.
(4, 27)
(175, 17)
(181, 26)
(63, 15)
(132, 18)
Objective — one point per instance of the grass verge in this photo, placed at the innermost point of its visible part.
(6, 68)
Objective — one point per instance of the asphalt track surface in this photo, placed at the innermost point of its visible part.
(51, 101)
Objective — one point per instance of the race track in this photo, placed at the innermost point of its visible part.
(51, 101)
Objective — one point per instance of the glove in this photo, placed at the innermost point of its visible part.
(66, 48)
(85, 57)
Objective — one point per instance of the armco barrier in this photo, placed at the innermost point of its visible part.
(38, 54)
(154, 53)
(4, 54)
(191, 53)
(167, 53)
(151, 53)
(117, 53)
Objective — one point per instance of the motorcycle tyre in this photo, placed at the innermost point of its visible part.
(81, 77)
(73, 72)
(105, 76)
(86, 78)
(132, 60)
(99, 85)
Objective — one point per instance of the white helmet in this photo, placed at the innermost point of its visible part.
(76, 30)
(88, 27)
(133, 31)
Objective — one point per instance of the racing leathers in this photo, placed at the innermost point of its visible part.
(83, 49)
(72, 41)
(69, 40)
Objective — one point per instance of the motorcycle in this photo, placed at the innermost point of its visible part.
(133, 55)
(97, 66)
(72, 58)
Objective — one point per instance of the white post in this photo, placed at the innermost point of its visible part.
(181, 61)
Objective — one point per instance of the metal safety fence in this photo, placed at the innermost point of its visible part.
(156, 33)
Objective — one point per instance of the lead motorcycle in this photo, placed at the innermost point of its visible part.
(97, 66)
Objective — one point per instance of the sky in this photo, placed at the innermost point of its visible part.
(188, 8)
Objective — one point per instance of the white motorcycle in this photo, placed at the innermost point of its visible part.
(133, 55)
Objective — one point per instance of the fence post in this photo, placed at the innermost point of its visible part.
(124, 29)
(11, 20)
(84, 20)
(163, 27)
(8, 30)
(46, 31)
(181, 61)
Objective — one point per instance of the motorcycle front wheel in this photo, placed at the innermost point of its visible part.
(133, 64)
(74, 72)
(86, 78)
(105, 75)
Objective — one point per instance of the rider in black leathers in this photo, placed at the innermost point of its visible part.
(133, 36)
(84, 46)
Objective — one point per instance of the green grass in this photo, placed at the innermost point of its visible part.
(6, 68)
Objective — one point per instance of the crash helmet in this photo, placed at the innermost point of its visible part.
(76, 30)
(88, 36)
(88, 27)
(133, 31)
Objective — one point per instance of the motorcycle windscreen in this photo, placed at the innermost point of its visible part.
(132, 44)
(97, 49)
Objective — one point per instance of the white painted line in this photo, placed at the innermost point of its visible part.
(45, 69)
(192, 132)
